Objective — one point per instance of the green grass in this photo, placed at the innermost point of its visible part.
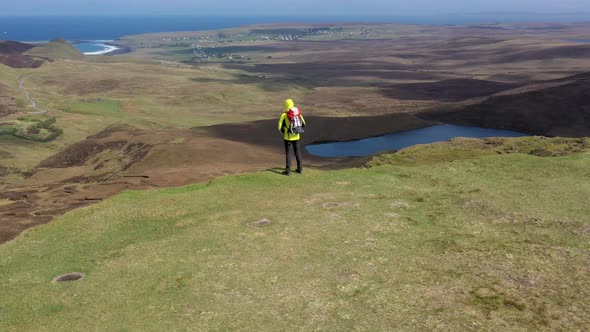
(490, 242)
(56, 49)
(88, 96)
(36, 128)
(98, 107)
(7, 129)
(467, 148)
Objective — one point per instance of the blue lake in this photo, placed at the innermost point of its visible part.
(584, 41)
(397, 141)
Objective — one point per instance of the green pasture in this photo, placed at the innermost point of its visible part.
(481, 242)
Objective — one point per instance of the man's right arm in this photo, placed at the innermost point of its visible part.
(282, 122)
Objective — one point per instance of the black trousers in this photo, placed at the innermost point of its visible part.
(296, 148)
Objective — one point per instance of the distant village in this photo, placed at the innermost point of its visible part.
(205, 48)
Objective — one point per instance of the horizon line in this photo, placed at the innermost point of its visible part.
(310, 16)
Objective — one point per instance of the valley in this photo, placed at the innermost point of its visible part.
(163, 142)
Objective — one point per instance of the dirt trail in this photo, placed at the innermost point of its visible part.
(29, 98)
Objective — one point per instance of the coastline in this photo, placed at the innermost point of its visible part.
(118, 49)
(108, 49)
(111, 48)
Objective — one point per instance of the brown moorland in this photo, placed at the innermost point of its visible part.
(524, 78)
(13, 47)
(21, 61)
(562, 110)
(11, 54)
(124, 157)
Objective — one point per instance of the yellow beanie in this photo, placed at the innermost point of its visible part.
(289, 104)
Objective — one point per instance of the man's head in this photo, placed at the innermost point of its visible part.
(289, 104)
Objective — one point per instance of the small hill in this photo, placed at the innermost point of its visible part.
(558, 52)
(447, 90)
(13, 47)
(555, 111)
(21, 61)
(11, 55)
(56, 49)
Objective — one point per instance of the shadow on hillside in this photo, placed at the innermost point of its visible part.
(268, 84)
(447, 90)
(276, 170)
(341, 73)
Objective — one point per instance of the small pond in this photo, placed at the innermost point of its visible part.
(583, 41)
(397, 141)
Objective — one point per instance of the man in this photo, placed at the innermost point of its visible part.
(290, 125)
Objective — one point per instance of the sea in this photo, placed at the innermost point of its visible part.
(91, 34)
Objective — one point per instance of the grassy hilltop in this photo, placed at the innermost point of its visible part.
(479, 241)
(189, 79)
(465, 235)
(56, 49)
(86, 96)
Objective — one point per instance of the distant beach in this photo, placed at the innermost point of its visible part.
(119, 49)
(100, 47)
(107, 49)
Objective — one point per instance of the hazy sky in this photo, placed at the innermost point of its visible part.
(286, 7)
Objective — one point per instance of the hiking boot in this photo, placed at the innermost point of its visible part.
(299, 170)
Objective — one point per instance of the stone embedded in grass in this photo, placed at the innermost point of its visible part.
(334, 205)
(334, 216)
(399, 205)
(583, 230)
(316, 198)
(330, 205)
(260, 223)
(74, 276)
(474, 203)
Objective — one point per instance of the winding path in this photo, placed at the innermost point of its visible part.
(28, 96)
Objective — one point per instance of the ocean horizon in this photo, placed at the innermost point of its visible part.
(90, 28)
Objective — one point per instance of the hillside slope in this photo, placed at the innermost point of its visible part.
(447, 90)
(11, 55)
(56, 49)
(13, 47)
(562, 110)
(480, 241)
(7, 102)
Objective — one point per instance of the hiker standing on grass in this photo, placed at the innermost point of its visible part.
(291, 126)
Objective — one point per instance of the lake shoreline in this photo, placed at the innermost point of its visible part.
(395, 141)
